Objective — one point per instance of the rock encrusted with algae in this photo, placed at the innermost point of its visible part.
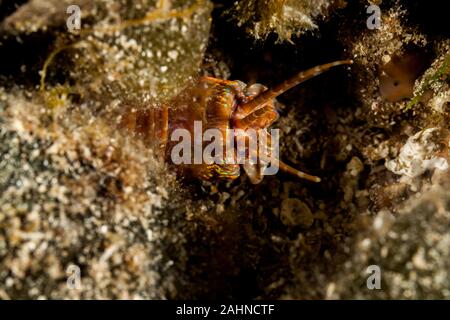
(412, 251)
(138, 51)
(285, 18)
(417, 156)
(388, 60)
(76, 193)
(39, 16)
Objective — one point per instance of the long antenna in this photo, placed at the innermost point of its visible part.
(283, 166)
(267, 95)
(300, 174)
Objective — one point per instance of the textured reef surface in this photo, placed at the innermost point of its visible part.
(77, 192)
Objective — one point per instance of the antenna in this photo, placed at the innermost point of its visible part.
(259, 101)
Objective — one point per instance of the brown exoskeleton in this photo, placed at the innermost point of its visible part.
(222, 105)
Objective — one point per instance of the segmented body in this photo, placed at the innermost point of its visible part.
(218, 104)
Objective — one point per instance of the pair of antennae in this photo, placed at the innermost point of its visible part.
(259, 102)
